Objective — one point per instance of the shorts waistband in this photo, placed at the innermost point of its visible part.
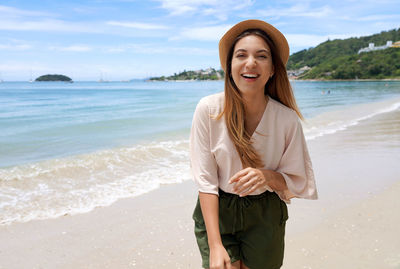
(250, 197)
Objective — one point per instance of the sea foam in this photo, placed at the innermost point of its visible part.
(339, 120)
(80, 183)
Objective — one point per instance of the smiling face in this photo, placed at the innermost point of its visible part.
(251, 65)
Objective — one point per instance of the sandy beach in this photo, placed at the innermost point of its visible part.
(364, 235)
(354, 224)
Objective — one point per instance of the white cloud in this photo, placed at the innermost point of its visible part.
(298, 10)
(218, 8)
(379, 18)
(178, 7)
(155, 49)
(115, 50)
(23, 67)
(138, 25)
(379, 26)
(13, 44)
(72, 48)
(307, 41)
(15, 47)
(304, 40)
(46, 25)
(210, 33)
(51, 25)
(14, 19)
(6, 11)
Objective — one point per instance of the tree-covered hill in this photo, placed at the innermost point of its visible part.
(372, 65)
(208, 74)
(54, 77)
(333, 59)
(339, 59)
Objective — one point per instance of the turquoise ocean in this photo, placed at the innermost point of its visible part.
(67, 148)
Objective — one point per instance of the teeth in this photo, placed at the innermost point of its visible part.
(250, 75)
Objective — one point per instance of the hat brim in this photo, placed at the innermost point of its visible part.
(229, 37)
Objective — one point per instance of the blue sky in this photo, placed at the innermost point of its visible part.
(127, 39)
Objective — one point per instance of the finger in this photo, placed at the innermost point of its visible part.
(221, 264)
(243, 180)
(238, 175)
(253, 179)
(228, 264)
(244, 186)
(249, 191)
(215, 266)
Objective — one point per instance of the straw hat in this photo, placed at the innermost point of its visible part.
(229, 37)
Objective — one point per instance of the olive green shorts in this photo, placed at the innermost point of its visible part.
(252, 229)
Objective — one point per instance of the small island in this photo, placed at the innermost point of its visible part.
(54, 77)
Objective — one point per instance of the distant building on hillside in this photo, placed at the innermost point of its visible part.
(372, 47)
(293, 74)
(208, 71)
(396, 44)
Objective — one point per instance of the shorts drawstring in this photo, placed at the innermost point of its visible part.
(239, 203)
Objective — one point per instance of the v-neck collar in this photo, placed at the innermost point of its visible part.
(260, 123)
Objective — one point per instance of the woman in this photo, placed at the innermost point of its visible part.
(248, 153)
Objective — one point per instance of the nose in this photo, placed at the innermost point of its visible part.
(251, 62)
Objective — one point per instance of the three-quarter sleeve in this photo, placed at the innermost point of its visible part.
(296, 167)
(202, 162)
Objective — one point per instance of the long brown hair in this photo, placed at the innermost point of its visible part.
(277, 87)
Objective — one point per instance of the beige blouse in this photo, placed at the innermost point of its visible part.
(278, 139)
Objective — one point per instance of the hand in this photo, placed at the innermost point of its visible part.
(219, 258)
(249, 180)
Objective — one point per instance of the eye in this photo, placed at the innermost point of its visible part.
(263, 56)
(240, 55)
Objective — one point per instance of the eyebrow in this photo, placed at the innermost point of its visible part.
(262, 50)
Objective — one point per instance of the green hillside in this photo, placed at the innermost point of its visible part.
(208, 74)
(339, 59)
(333, 59)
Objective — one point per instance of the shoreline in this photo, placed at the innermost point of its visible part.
(141, 232)
(290, 79)
(155, 230)
(199, 80)
(334, 80)
(41, 209)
